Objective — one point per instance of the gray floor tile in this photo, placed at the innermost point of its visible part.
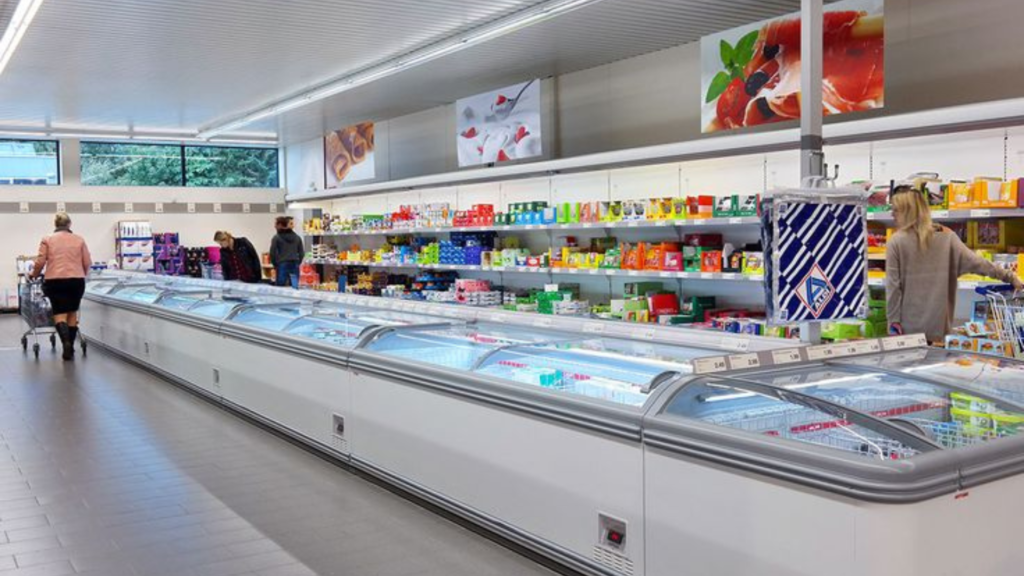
(108, 471)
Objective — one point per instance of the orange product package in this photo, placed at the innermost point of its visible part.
(711, 261)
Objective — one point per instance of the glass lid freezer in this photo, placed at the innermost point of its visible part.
(457, 346)
(276, 317)
(346, 330)
(144, 293)
(1001, 377)
(610, 369)
(221, 306)
(854, 408)
(183, 300)
(101, 286)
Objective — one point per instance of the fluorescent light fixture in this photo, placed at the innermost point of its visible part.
(495, 29)
(24, 12)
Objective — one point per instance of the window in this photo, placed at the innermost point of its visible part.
(231, 167)
(118, 164)
(29, 162)
(112, 164)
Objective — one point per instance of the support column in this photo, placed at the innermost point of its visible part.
(811, 72)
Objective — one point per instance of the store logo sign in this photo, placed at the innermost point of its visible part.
(816, 291)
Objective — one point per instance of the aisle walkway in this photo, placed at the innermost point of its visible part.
(108, 471)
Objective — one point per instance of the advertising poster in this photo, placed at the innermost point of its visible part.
(348, 154)
(751, 75)
(499, 126)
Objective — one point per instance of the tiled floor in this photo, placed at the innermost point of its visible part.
(108, 471)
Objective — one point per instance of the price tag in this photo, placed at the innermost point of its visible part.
(744, 361)
(633, 223)
(593, 328)
(97, 207)
(594, 270)
(129, 208)
(710, 365)
(698, 222)
(543, 323)
(737, 344)
(904, 342)
(730, 276)
(500, 318)
(246, 208)
(707, 276)
(588, 224)
(823, 352)
(530, 226)
(666, 274)
(573, 270)
(216, 208)
(62, 207)
(735, 220)
(633, 273)
(662, 223)
(980, 213)
(940, 214)
(158, 208)
(644, 334)
(23, 207)
(791, 356)
(273, 208)
(192, 207)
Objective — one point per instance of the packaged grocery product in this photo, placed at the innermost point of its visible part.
(961, 195)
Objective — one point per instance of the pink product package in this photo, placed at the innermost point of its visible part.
(213, 254)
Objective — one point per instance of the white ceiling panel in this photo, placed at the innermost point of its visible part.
(181, 64)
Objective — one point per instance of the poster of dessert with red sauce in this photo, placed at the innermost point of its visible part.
(751, 75)
(499, 126)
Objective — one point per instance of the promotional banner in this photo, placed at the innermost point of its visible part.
(348, 154)
(751, 75)
(499, 126)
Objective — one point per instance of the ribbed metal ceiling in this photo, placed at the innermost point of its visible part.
(181, 64)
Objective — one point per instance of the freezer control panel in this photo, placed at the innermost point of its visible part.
(612, 532)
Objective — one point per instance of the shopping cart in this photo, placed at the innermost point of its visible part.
(35, 309)
(1007, 309)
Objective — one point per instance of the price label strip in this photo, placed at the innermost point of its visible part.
(744, 361)
(710, 365)
(790, 356)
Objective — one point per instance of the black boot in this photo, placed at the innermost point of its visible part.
(73, 331)
(64, 331)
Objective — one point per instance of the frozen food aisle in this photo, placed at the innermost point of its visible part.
(105, 470)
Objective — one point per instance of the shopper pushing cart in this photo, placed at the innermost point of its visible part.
(64, 261)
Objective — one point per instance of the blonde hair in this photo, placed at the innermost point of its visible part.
(222, 236)
(61, 220)
(915, 215)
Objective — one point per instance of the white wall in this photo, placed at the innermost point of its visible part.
(939, 53)
(20, 233)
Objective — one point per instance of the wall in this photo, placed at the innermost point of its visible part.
(939, 53)
(20, 233)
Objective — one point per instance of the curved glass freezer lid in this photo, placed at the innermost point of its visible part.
(880, 414)
(1001, 377)
(184, 299)
(277, 317)
(614, 370)
(346, 330)
(222, 305)
(144, 293)
(458, 346)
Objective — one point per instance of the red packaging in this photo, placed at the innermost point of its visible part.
(663, 304)
(711, 261)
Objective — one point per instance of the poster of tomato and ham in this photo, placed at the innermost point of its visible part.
(751, 75)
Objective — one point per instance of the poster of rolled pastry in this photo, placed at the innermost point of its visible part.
(499, 126)
(348, 154)
(751, 75)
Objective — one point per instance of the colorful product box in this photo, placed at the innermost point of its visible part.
(726, 206)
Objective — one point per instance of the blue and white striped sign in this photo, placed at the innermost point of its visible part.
(818, 269)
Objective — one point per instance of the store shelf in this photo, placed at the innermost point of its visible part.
(641, 224)
(721, 276)
(962, 285)
(953, 215)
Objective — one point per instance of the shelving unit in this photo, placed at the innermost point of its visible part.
(732, 276)
(635, 224)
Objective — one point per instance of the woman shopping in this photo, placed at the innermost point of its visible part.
(922, 264)
(64, 262)
(238, 258)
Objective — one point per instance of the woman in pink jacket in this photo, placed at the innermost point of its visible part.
(65, 261)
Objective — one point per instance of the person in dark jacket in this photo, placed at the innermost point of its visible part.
(238, 258)
(286, 252)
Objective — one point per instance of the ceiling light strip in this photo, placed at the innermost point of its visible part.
(487, 32)
(16, 28)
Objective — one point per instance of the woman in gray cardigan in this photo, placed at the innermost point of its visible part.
(922, 264)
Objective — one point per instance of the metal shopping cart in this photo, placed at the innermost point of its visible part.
(1007, 309)
(35, 309)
